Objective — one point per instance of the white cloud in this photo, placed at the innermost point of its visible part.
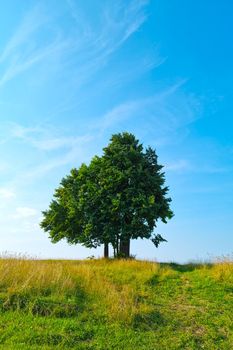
(24, 212)
(29, 25)
(117, 23)
(164, 113)
(24, 49)
(179, 165)
(6, 193)
(72, 149)
(91, 46)
(43, 138)
(194, 167)
(75, 154)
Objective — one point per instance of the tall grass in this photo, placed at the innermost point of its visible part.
(111, 289)
(115, 304)
(222, 270)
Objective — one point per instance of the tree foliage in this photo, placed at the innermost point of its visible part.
(117, 197)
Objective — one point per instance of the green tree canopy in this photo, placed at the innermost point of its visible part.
(117, 197)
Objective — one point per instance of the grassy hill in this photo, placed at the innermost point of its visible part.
(101, 304)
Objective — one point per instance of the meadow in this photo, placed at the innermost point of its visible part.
(115, 304)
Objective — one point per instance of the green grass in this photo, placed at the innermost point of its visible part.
(120, 304)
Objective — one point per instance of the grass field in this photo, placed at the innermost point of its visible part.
(99, 304)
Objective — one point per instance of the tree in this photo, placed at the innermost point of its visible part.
(118, 197)
(73, 213)
(134, 185)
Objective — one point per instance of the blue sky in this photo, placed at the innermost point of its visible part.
(74, 72)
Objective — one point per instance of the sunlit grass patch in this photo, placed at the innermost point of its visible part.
(115, 304)
(222, 270)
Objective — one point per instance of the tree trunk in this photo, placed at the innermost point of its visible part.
(117, 246)
(125, 247)
(106, 252)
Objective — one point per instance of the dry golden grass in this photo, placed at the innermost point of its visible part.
(115, 288)
(20, 275)
(222, 270)
(115, 304)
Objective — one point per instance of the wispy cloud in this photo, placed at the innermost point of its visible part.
(25, 49)
(165, 112)
(117, 23)
(6, 193)
(179, 165)
(71, 149)
(184, 165)
(29, 25)
(24, 212)
(131, 19)
(91, 46)
(19, 65)
(42, 138)
(162, 113)
(75, 154)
